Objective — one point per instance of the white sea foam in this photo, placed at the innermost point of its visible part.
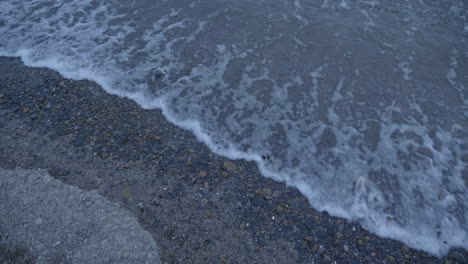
(301, 98)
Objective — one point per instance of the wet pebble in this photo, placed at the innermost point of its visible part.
(229, 166)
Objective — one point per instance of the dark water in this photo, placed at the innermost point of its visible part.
(362, 105)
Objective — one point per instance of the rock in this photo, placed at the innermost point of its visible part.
(158, 75)
(229, 166)
(346, 248)
(26, 110)
(276, 194)
(458, 254)
(203, 174)
(268, 197)
(340, 227)
(267, 191)
(33, 116)
(309, 238)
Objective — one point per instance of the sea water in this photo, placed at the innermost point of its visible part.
(360, 104)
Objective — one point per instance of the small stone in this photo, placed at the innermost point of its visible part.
(391, 258)
(229, 166)
(276, 194)
(224, 174)
(340, 227)
(346, 248)
(360, 242)
(268, 197)
(38, 221)
(339, 235)
(327, 258)
(309, 238)
(407, 256)
(389, 218)
(267, 191)
(209, 214)
(158, 75)
(206, 185)
(373, 254)
(26, 110)
(203, 174)
(1, 96)
(48, 106)
(157, 137)
(33, 116)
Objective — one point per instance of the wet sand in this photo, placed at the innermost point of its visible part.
(197, 206)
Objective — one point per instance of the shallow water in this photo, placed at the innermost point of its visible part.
(362, 105)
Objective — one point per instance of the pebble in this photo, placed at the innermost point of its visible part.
(267, 191)
(33, 116)
(203, 174)
(229, 166)
(340, 227)
(346, 248)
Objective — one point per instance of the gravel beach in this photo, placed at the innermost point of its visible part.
(198, 207)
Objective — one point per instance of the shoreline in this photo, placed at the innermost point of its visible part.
(198, 207)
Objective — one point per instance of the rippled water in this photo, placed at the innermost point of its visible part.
(362, 105)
